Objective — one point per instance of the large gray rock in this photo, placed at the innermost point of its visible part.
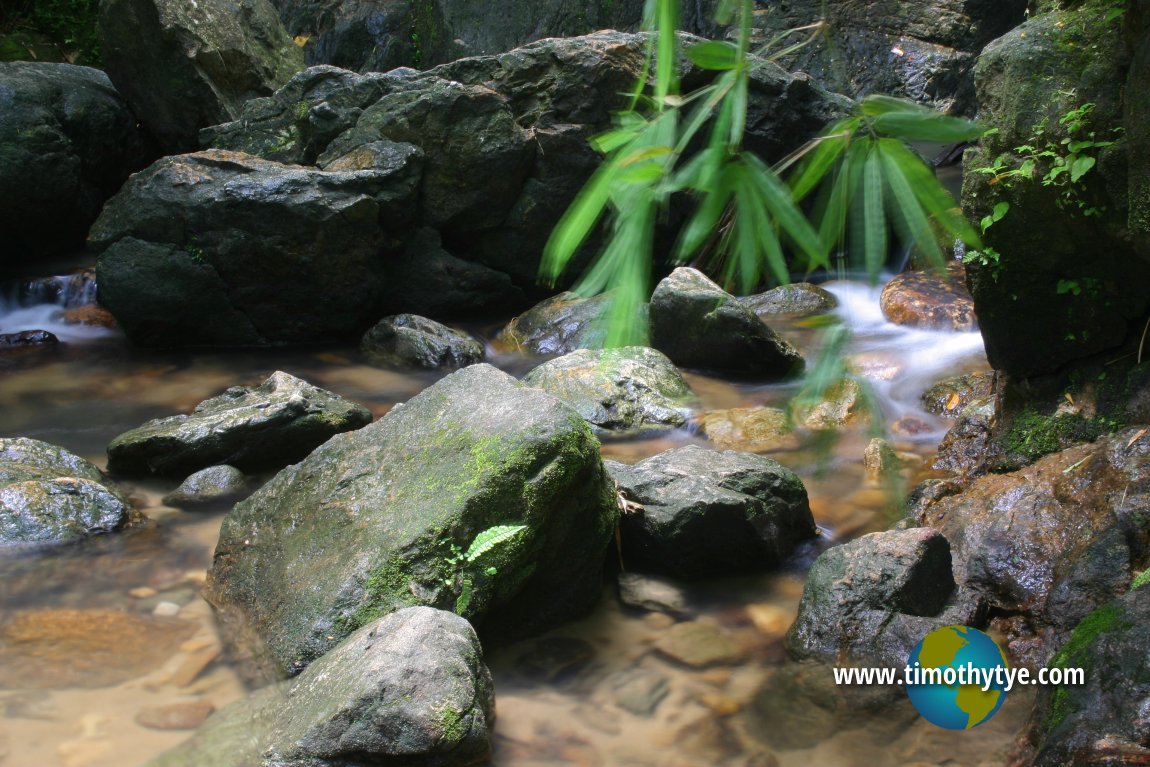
(252, 429)
(410, 688)
(410, 341)
(49, 495)
(1103, 720)
(873, 599)
(220, 248)
(617, 390)
(697, 513)
(367, 523)
(360, 35)
(183, 66)
(698, 324)
(67, 143)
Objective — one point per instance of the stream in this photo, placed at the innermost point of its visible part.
(82, 661)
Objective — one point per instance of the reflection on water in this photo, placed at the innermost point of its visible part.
(608, 690)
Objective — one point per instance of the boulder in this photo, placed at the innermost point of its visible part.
(410, 341)
(215, 485)
(28, 339)
(923, 49)
(795, 300)
(1070, 260)
(220, 248)
(381, 518)
(838, 406)
(67, 143)
(929, 300)
(1102, 720)
(360, 35)
(873, 599)
(251, 428)
(617, 390)
(952, 395)
(698, 324)
(558, 325)
(409, 688)
(1055, 540)
(184, 66)
(49, 495)
(695, 513)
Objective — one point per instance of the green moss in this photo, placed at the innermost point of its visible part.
(1032, 435)
(452, 722)
(1078, 653)
(1142, 579)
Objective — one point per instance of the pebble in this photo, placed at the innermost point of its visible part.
(770, 619)
(646, 592)
(185, 715)
(658, 621)
(166, 610)
(641, 691)
(142, 592)
(193, 666)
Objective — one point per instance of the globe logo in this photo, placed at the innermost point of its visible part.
(952, 677)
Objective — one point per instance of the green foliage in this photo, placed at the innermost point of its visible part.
(462, 576)
(69, 24)
(1142, 579)
(1032, 435)
(1077, 653)
(489, 539)
(863, 180)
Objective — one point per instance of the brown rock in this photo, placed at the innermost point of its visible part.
(748, 428)
(698, 644)
(90, 315)
(185, 715)
(930, 300)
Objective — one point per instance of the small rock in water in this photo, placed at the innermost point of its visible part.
(26, 339)
(749, 428)
(837, 408)
(142, 592)
(411, 341)
(880, 460)
(698, 644)
(185, 715)
(214, 485)
(930, 300)
(554, 659)
(647, 592)
(166, 610)
(796, 300)
(641, 691)
(92, 315)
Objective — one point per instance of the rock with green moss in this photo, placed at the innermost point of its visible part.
(617, 390)
(67, 143)
(1102, 720)
(381, 518)
(49, 495)
(251, 428)
(694, 512)
(411, 341)
(184, 66)
(409, 688)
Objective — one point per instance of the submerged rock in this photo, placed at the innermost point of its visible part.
(184, 66)
(410, 341)
(699, 513)
(50, 495)
(698, 324)
(749, 428)
(617, 390)
(365, 525)
(797, 299)
(929, 300)
(409, 688)
(28, 339)
(950, 396)
(871, 600)
(213, 485)
(68, 142)
(559, 325)
(253, 429)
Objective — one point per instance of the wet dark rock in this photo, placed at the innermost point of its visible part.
(410, 341)
(68, 142)
(49, 495)
(250, 428)
(1102, 721)
(291, 576)
(699, 644)
(969, 448)
(1055, 540)
(653, 594)
(551, 660)
(219, 248)
(617, 390)
(929, 300)
(184, 66)
(215, 485)
(1064, 286)
(360, 35)
(558, 325)
(698, 324)
(872, 599)
(408, 688)
(702, 513)
(950, 396)
(796, 300)
(27, 339)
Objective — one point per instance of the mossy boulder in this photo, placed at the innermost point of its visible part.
(378, 519)
(250, 428)
(694, 512)
(49, 495)
(617, 390)
(409, 688)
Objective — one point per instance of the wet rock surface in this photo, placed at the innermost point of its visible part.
(748, 428)
(929, 300)
(698, 324)
(617, 390)
(558, 325)
(215, 485)
(473, 451)
(409, 688)
(28, 339)
(950, 396)
(250, 428)
(699, 513)
(410, 341)
(796, 300)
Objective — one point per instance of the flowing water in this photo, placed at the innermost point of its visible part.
(96, 636)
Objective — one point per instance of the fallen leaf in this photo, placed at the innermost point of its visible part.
(1141, 433)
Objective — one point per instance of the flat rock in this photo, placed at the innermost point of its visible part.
(184, 715)
(558, 325)
(699, 644)
(748, 428)
(252, 429)
(796, 300)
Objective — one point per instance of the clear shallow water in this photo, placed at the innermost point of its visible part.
(560, 697)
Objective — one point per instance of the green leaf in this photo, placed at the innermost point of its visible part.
(714, 54)
(827, 149)
(874, 219)
(708, 212)
(578, 221)
(1080, 167)
(877, 104)
(915, 123)
(781, 205)
(490, 538)
(905, 207)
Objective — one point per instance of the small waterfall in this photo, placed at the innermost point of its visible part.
(41, 304)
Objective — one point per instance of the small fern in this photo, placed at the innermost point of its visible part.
(489, 539)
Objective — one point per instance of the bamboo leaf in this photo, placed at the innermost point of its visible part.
(906, 207)
(828, 148)
(781, 205)
(874, 219)
(926, 125)
(577, 222)
(490, 538)
(935, 200)
(707, 214)
(714, 54)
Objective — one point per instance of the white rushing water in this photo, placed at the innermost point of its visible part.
(40, 305)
